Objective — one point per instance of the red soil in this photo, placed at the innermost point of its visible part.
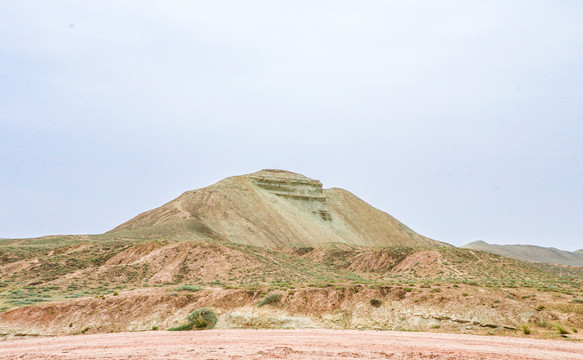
(287, 344)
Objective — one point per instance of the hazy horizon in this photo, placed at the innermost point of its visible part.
(463, 120)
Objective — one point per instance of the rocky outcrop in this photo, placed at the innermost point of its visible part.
(294, 187)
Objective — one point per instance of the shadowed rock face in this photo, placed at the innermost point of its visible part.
(273, 208)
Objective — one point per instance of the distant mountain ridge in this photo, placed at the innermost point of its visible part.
(273, 208)
(531, 252)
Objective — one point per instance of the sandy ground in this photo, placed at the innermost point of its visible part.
(287, 344)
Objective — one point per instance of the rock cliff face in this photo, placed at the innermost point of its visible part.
(274, 208)
(295, 187)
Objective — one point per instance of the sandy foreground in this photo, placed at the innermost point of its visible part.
(287, 344)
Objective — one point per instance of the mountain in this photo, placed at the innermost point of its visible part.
(531, 252)
(273, 208)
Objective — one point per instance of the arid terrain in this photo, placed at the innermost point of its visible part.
(273, 250)
(288, 344)
(531, 253)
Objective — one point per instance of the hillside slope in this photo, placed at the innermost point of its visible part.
(531, 252)
(273, 208)
(79, 284)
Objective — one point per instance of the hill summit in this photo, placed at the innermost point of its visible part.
(273, 208)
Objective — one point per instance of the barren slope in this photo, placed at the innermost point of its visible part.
(531, 252)
(273, 208)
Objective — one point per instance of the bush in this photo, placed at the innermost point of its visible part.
(183, 327)
(526, 329)
(188, 288)
(375, 302)
(154, 328)
(201, 319)
(578, 301)
(270, 299)
(561, 329)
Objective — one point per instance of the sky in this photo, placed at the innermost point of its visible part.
(462, 119)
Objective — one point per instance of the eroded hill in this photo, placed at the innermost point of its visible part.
(67, 285)
(273, 208)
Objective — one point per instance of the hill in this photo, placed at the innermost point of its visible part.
(531, 253)
(273, 208)
(325, 259)
(103, 283)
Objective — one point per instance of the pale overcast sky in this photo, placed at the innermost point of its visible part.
(463, 119)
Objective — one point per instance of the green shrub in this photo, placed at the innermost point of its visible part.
(578, 301)
(183, 327)
(201, 319)
(561, 329)
(154, 328)
(375, 302)
(525, 329)
(188, 288)
(28, 301)
(115, 293)
(270, 300)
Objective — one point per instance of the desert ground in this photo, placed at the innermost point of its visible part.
(288, 344)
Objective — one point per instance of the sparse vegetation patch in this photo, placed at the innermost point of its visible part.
(200, 319)
(374, 302)
(270, 299)
(189, 288)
